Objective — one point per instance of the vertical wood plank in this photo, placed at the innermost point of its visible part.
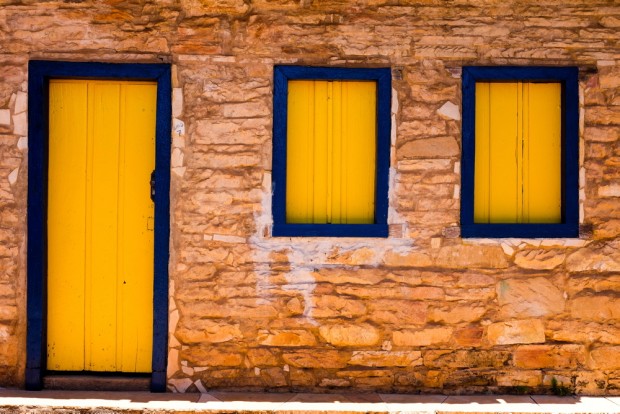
(503, 178)
(135, 242)
(66, 225)
(482, 159)
(104, 226)
(544, 150)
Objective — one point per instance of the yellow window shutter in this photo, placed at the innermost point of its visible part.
(517, 176)
(331, 150)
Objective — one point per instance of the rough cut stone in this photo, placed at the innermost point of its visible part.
(529, 297)
(529, 331)
(386, 359)
(350, 335)
(539, 259)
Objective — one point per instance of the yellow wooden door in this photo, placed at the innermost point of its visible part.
(100, 225)
(518, 153)
(331, 151)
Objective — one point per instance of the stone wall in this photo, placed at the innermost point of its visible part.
(420, 311)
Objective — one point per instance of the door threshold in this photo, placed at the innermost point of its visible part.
(97, 382)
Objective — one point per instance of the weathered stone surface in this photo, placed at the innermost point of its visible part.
(539, 259)
(350, 335)
(386, 358)
(422, 337)
(317, 358)
(596, 308)
(464, 256)
(605, 358)
(440, 147)
(549, 356)
(604, 257)
(529, 331)
(286, 338)
(529, 297)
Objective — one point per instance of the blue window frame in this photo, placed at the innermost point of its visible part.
(567, 77)
(282, 76)
(39, 75)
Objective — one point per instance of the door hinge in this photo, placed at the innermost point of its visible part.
(153, 186)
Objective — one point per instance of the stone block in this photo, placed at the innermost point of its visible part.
(286, 338)
(386, 358)
(549, 356)
(466, 256)
(598, 308)
(317, 358)
(605, 358)
(529, 331)
(422, 337)
(350, 334)
(536, 296)
(539, 259)
(440, 147)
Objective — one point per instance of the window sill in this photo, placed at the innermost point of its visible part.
(537, 231)
(330, 230)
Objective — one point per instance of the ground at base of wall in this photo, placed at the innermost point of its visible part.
(74, 402)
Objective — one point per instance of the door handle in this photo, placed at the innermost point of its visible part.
(152, 182)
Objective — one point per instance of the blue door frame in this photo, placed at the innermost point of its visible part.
(39, 74)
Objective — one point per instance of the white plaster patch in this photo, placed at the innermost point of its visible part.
(180, 385)
(612, 190)
(178, 127)
(256, 371)
(226, 238)
(173, 362)
(22, 143)
(21, 103)
(177, 158)
(177, 102)
(179, 171)
(20, 124)
(450, 110)
(13, 176)
(178, 142)
(5, 117)
(457, 192)
(286, 368)
(200, 387)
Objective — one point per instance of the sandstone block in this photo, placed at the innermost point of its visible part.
(410, 259)
(549, 356)
(208, 356)
(605, 358)
(332, 306)
(350, 334)
(445, 358)
(423, 337)
(520, 379)
(529, 297)
(440, 147)
(398, 312)
(602, 257)
(465, 256)
(516, 332)
(262, 357)
(317, 358)
(539, 259)
(5, 117)
(286, 338)
(469, 336)
(596, 308)
(386, 358)
(457, 314)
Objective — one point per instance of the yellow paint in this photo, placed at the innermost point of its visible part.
(100, 238)
(331, 150)
(518, 153)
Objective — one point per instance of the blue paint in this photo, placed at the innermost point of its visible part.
(383, 77)
(568, 77)
(40, 72)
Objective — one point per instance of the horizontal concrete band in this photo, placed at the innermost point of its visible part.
(17, 401)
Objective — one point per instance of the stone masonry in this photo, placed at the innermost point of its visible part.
(420, 311)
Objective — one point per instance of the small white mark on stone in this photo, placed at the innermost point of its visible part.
(286, 368)
(177, 102)
(20, 124)
(436, 242)
(457, 167)
(179, 171)
(21, 102)
(386, 346)
(177, 158)
(200, 387)
(256, 371)
(228, 238)
(509, 251)
(178, 127)
(5, 117)
(450, 111)
(13, 176)
(457, 192)
(22, 143)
